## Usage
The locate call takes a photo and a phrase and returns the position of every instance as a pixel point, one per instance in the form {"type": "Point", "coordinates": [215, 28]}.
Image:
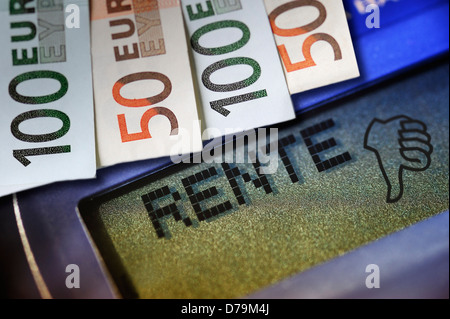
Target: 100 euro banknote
{"type": "Point", "coordinates": [240, 80]}
{"type": "Point", "coordinates": [47, 121]}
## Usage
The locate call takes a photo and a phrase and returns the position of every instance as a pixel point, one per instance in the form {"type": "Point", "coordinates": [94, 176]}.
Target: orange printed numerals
{"type": "Point", "coordinates": [146, 117]}
{"type": "Point", "coordinates": [306, 49]}
{"type": "Point", "coordinates": [147, 101]}
{"type": "Point", "coordinates": [309, 41]}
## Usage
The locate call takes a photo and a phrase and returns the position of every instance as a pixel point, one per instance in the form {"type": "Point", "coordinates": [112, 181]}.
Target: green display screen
{"type": "Point", "coordinates": [345, 176]}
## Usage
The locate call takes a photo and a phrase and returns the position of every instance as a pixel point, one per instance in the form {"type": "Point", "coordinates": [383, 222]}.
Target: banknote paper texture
{"type": "Point", "coordinates": [239, 76]}
{"type": "Point", "coordinates": [313, 41]}
{"type": "Point", "coordinates": [144, 96]}
{"type": "Point", "coordinates": [47, 121]}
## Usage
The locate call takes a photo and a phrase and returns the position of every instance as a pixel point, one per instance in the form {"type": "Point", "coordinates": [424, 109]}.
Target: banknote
{"type": "Point", "coordinates": [144, 96]}
{"type": "Point", "coordinates": [47, 122]}
{"type": "Point", "coordinates": [238, 71]}
{"type": "Point", "coordinates": [314, 42]}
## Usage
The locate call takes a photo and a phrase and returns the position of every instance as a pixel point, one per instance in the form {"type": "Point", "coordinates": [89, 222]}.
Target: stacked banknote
{"type": "Point", "coordinates": [166, 75]}
{"type": "Point", "coordinates": [144, 95]}
{"type": "Point", "coordinates": [313, 41]}
{"type": "Point", "coordinates": [47, 121]}
{"type": "Point", "coordinates": [240, 79]}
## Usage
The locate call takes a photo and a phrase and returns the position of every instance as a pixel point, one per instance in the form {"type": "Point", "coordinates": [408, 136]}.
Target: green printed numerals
{"type": "Point", "coordinates": [20, 155]}
{"type": "Point", "coordinates": [33, 138]}
{"type": "Point", "coordinates": [38, 75]}
{"type": "Point", "coordinates": [217, 26]}
{"type": "Point", "coordinates": [232, 86]}
{"type": "Point", "coordinates": [219, 105]}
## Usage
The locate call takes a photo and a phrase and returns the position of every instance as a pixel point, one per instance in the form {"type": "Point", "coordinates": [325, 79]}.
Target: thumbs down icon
{"type": "Point", "coordinates": [399, 143]}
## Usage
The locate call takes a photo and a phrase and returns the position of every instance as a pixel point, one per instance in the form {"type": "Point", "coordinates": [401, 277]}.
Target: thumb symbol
{"type": "Point", "coordinates": [399, 143]}
{"type": "Point", "coordinates": [393, 175]}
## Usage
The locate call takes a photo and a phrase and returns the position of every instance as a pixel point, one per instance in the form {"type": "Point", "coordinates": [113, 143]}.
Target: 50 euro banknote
{"type": "Point", "coordinates": [314, 42]}
{"type": "Point", "coordinates": [47, 121]}
{"type": "Point", "coordinates": [144, 96]}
